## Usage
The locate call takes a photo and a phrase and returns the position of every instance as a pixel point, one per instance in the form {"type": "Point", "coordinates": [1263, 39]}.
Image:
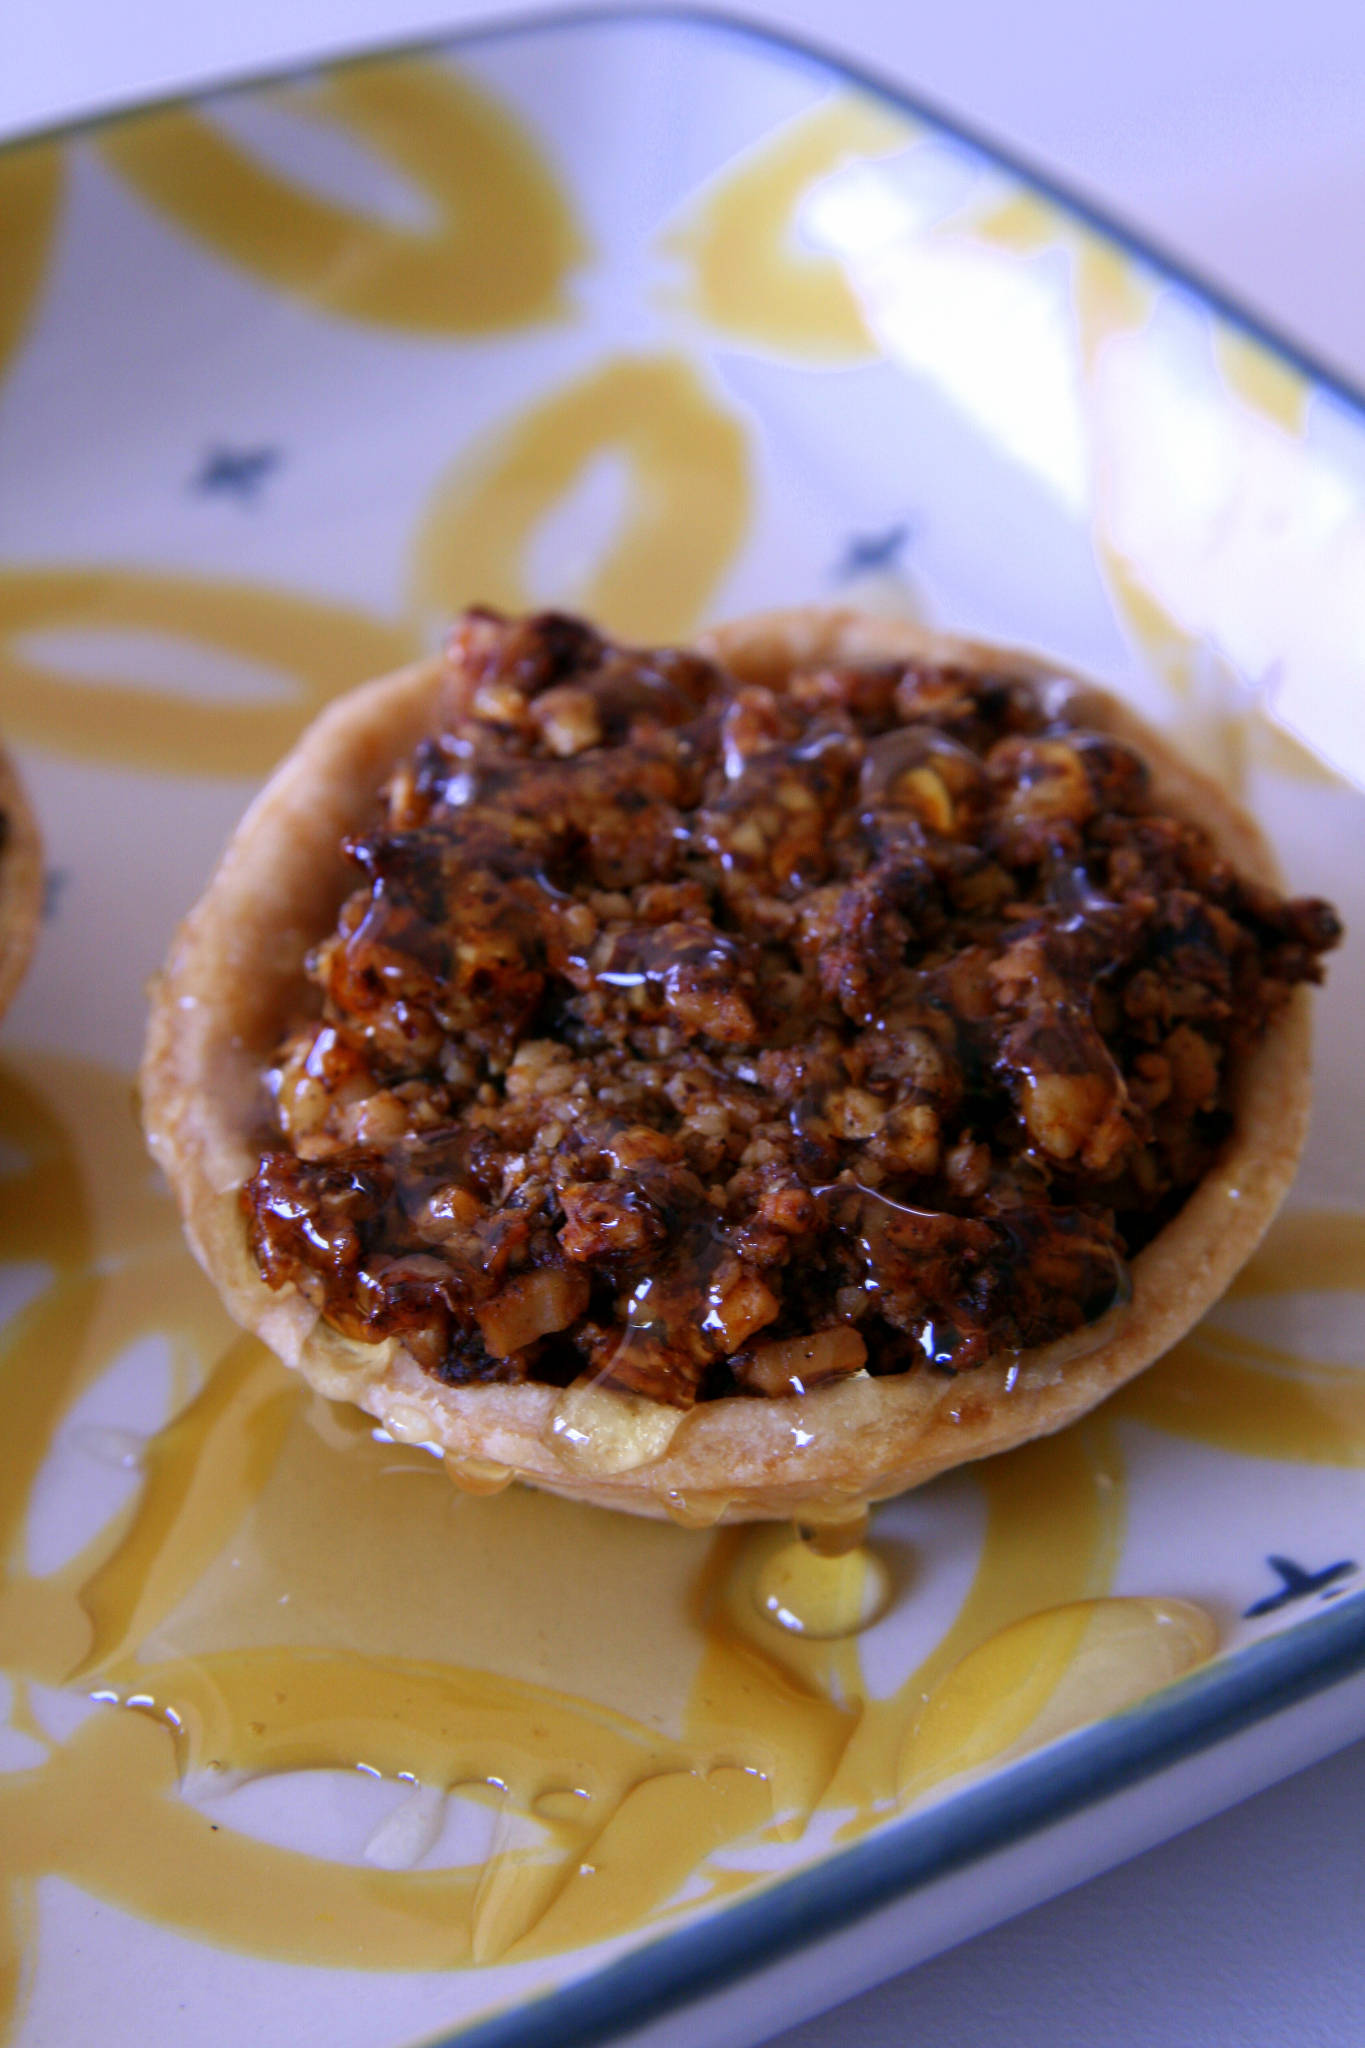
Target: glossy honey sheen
{"type": "Point", "coordinates": [288, 1589]}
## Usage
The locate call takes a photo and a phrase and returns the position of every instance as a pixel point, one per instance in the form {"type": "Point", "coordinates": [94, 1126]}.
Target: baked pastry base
{"type": "Point", "coordinates": [235, 972]}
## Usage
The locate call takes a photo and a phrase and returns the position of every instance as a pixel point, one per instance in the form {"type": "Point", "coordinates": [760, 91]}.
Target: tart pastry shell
{"type": "Point", "coordinates": [235, 975]}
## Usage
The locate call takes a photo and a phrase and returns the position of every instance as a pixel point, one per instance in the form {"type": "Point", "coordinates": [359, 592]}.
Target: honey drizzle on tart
{"type": "Point", "coordinates": [671, 1715]}
{"type": "Point", "coordinates": [623, 1739]}
{"type": "Point", "coordinates": [705, 1038]}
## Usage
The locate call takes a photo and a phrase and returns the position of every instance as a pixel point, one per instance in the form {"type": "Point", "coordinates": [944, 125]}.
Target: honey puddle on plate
{"type": "Point", "coordinates": [635, 1706]}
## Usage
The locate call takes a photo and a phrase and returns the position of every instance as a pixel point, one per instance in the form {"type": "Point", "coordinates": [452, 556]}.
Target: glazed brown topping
{"type": "Point", "coordinates": [713, 1040]}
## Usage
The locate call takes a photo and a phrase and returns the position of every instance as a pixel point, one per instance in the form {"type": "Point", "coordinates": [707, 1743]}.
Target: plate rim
{"type": "Point", "coordinates": [809, 52]}
{"type": "Point", "coordinates": [1079, 1771]}
{"type": "Point", "coordinates": [1239, 1691]}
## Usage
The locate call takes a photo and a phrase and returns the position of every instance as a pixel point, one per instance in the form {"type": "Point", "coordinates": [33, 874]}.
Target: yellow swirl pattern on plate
{"type": "Point", "coordinates": [175, 1606]}
{"type": "Point", "coordinates": [309, 650]}
{"type": "Point", "coordinates": [503, 240]}
{"type": "Point", "coordinates": [683, 518]}
{"type": "Point", "coordinates": [1113, 299]}
{"type": "Point", "coordinates": [156, 1610]}
{"type": "Point", "coordinates": [745, 270]}
{"type": "Point", "coordinates": [31, 182]}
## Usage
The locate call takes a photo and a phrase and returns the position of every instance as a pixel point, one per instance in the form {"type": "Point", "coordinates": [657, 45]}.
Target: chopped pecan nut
{"type": "Point", "coordinates": [677, 1025]}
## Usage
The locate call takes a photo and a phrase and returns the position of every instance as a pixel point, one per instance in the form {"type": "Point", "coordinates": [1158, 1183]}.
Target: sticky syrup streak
{"type": "Point", "coordinates": [290, 1590]}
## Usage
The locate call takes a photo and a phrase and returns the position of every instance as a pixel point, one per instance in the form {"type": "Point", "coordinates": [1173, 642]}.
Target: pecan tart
{"type": "Point", "coordinates": [732, 1081]}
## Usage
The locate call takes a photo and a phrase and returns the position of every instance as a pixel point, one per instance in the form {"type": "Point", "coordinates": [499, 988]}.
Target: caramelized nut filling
{"type": "Point", "coordinates": [712, 1040]}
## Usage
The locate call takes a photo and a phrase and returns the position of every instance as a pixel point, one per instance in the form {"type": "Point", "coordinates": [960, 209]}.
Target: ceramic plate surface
{"type": "Point", "coordinates": [666, 321]}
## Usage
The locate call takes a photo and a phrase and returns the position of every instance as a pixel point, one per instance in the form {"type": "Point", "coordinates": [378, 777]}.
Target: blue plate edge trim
{"type": "Point", "coordinates": [664, 1975]}
{"type": "Point", "coordinates": [628, 13]}
{"type": "Point", "coordinates": [1250, 1686]}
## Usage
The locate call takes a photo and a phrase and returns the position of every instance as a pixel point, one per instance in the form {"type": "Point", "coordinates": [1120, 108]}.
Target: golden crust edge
{"type": "Point", "coordinates": [277, 887]}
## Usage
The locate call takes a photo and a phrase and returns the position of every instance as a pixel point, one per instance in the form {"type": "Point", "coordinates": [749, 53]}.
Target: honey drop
{"type": "Point", "coordinates": [477, 1475]}
{"type": "Point", "coordinates": [809, 1590]}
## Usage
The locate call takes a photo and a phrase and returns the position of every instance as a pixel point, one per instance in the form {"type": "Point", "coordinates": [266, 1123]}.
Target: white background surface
{"type": "Point", "coordinates": [1233, 132]}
